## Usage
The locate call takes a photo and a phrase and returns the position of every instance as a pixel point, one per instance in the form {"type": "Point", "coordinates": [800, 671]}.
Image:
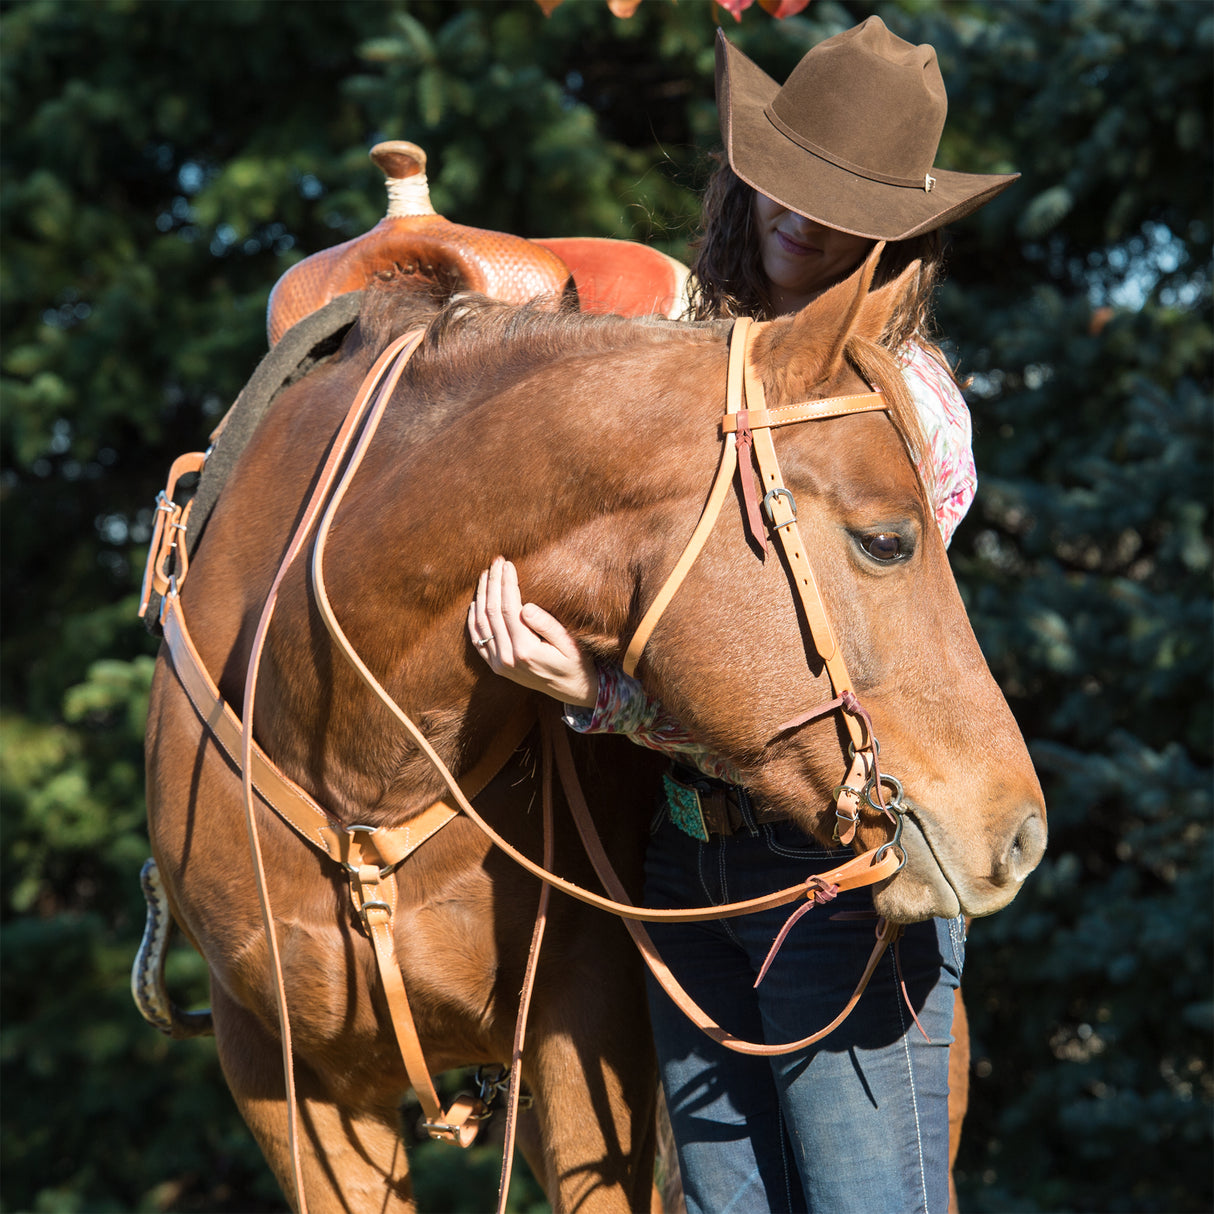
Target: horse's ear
{"type": "Point", "coordinates": [814, 340]}
{"type": "Point", "coordinates": [878, 306]}
{"type": "Point", "coordinates": [820, 330]}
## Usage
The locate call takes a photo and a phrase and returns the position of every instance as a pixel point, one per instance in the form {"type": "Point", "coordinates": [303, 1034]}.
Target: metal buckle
{"type": "Point", "coordinates": [685, 809]}
{"type": "Point", "coordinates": [353, 868]}
{"type": "Point", "coordinates": [840, 789]}
{"type": "Point", "coordinates": [769, 507]}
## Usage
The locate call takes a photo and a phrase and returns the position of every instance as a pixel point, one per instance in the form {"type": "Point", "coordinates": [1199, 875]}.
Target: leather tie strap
{"type": "Point", "coordinates": [746, 446]}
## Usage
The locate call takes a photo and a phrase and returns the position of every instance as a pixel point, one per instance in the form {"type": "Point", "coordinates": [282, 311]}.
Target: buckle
{"type": "Point", "coordinates": [769, 508]}
{"type": "Point", "coordinates": [685, 808]}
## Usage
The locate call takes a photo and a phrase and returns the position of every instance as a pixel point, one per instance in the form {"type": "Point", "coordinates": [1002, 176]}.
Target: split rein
{"type": "Point", "coordinates": [371, 856]}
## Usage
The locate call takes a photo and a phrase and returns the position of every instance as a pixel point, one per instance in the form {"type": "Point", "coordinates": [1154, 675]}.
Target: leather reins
{"type": "Point", "coordinates": [371, 856]}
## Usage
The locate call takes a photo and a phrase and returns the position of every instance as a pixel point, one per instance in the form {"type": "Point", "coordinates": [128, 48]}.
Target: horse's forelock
{"type": "Point", "coordinates": [879, 367]}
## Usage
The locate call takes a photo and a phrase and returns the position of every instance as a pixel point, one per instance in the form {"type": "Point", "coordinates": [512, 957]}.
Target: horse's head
{"type": "Point", "coordinates": [733, 658]}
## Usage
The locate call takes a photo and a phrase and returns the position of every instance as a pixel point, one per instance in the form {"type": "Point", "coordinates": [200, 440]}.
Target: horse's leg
{"type": "Point", "coordinates": [530, 1144]}
{"type": "Point", "coordinates": [353, 1160]}
{"type": "Point", "coordinates": [598, 1132]}
{"type": "Point", "coordinates": [590, 1064]}
{"type": "Point", "coordinates": [958, 1089]}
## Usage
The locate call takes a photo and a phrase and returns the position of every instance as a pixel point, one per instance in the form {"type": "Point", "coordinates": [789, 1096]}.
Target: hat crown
{"type": "Point", "coordinates": [867, 100]}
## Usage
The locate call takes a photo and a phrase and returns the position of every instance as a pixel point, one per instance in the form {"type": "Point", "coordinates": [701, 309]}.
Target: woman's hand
{"type": "Point", "coordinates": [524, 643]}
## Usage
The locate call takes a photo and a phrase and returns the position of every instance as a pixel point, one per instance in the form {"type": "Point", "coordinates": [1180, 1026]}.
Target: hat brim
{"type": "Point", "coordinates": [763, 157]}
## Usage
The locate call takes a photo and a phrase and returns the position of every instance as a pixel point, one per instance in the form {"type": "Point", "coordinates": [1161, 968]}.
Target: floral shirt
{"type": "Point", "coordinates": [623, 705]}
{"type": "Point", "coordinates": [952, 478]}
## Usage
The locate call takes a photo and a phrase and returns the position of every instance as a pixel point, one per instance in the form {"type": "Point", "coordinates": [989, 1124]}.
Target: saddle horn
{"type": "Point", "coordinates": [413, 241]}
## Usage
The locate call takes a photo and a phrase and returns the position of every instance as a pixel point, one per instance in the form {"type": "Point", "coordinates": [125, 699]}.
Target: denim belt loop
{"type": "Point", "coordinates": [747, 809]}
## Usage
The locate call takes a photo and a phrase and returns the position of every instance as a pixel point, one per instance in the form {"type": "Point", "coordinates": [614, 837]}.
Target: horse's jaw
{"type": "Point", "coordinates": [933, 884]}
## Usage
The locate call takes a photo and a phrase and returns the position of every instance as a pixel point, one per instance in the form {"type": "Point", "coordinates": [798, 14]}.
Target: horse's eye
{"type": "Point", "coordinates": [884, 546]}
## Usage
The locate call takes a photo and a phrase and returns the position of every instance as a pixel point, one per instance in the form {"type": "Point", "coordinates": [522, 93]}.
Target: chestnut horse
{"type": "Point", "coordinates": [583, 446]}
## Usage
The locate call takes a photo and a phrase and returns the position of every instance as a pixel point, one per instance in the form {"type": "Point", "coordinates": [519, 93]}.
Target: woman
{"type": "Point", "coordinates": [817, 170]}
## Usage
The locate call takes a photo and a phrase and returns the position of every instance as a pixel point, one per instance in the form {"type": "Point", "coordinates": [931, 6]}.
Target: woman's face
{"type": "Point", "coordinates": [802, 258]}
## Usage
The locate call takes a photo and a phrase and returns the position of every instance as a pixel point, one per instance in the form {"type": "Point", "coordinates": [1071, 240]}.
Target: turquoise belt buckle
{"type": "Point", "coordinates": [685, 811]}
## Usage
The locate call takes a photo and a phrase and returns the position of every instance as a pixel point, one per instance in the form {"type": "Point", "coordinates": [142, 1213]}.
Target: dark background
{"type": "Point", "coordinates": [163, 164]}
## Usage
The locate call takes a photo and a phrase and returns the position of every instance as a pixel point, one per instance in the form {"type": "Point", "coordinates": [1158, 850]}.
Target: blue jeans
{"type": "Point", "coordinates": [857, 1124]}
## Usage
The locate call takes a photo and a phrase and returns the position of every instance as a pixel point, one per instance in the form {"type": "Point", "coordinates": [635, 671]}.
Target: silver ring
{"type": "Point", "coordinates": [482, 642]}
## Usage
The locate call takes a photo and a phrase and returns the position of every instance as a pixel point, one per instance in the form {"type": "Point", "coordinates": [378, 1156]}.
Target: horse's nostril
{"type": "Point", "coordinates": [1024, 851]}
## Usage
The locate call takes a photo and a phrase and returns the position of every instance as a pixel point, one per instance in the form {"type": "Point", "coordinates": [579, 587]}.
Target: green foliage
{"type": "Point", "coordinates": [1086, 565]}
{"type": "Point", "coordinates": [165, 162]}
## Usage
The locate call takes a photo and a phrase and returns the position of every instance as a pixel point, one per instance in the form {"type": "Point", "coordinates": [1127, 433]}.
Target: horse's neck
{"type": "Point", "coordinates": [437, 498]}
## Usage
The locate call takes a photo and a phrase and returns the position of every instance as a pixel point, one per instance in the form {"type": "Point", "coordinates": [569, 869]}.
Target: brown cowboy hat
{"type": "Point", "coordinates": [850, 137]}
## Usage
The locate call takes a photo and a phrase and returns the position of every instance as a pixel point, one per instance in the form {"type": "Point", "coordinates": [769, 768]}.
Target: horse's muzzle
{"type": "Point", "coordinates": [1022, 854]}
{"type": "Point", "coordinates": [945, 877]}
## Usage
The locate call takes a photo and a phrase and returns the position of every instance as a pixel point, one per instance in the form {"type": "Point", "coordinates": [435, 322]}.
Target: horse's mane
{"type": "Point", "coordinates": [467, 332]}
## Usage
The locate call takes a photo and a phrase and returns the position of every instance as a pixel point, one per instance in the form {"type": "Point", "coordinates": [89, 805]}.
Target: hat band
{"type": "Point", "coordinates": [925, 183]}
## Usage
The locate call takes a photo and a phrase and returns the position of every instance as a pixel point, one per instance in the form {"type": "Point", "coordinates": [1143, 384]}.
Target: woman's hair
{"type": "Point", "coordinates": [728, 278]}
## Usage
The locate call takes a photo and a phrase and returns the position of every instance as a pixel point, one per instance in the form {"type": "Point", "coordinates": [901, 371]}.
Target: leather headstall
{"type": "Point", "coordinates": [745, 428]}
